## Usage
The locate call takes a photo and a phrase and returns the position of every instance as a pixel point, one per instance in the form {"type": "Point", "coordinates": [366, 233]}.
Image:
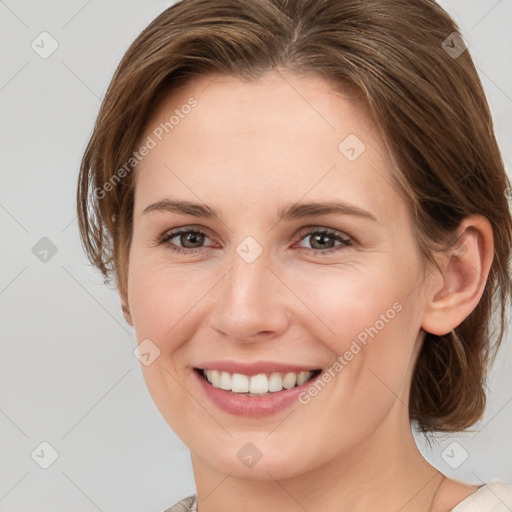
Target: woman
{"type": "Point", "coordinates": [304, 209]}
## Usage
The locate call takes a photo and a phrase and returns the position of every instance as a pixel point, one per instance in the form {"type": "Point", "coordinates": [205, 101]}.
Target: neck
{"type": "Point", "coordinates": [384, 472]}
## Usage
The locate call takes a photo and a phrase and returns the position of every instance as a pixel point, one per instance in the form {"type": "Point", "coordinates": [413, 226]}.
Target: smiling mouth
{"type": "Point", "coordinates": [256, 385]}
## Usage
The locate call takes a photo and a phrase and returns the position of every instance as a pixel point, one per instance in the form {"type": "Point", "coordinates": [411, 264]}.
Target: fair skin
{"type": "Point", "coordinates": [246, 151]}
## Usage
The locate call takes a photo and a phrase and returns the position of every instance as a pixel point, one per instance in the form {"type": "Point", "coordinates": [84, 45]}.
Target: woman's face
{"type": "Point", "coordinates": [251, 281]}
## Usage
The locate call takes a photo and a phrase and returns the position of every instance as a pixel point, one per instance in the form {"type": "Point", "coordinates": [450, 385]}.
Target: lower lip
{"type": "Point", "coordinates": [255, 406]}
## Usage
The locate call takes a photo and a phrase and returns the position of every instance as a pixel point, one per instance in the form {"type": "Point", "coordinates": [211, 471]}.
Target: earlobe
{"type": "Point", "coordinates": [126, 313]}
{"type": "Point", "coordinates": [466, 268]}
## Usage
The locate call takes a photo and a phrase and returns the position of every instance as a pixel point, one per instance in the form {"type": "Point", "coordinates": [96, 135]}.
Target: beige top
{"type": "Point", "coordinates": [492, 497]}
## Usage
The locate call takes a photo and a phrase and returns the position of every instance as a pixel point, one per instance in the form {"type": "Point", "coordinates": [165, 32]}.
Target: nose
{"type": "Point", "coordinates": [250, 302]}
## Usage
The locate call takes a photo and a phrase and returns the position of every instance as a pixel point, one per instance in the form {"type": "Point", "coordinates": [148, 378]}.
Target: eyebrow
{"type": "Point", "coordinates": [291, 211]}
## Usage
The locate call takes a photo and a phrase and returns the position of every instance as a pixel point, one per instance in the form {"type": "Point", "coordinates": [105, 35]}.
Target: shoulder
{"type": "Point", "coordinates": [492, 497]}
{"type": "Point", "coordinates": [185, 505]}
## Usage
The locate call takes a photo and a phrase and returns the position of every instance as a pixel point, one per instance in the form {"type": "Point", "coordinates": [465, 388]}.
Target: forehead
{"type": "Point", "coordinates": [264, 142]}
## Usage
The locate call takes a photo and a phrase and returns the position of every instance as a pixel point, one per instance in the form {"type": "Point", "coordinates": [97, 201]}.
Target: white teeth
{"type": "Point", "coordinates": [225, 381]}
{"type": "Point", "coordinates": [239, 383]}
{"type": "Point", "coordinates": [302, 377]}
{"type": "Point", "coordinates": [289, 381]}
{"type": "Point", "coordinates": [275, 383]}
{"type": "Point", "coordinates": [215, 377]}
{"type": "Point", "coordinates": [256, 384]}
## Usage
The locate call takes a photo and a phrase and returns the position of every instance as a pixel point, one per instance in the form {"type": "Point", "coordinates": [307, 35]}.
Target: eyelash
{"type": "Point", "coordinates": [345, 241]}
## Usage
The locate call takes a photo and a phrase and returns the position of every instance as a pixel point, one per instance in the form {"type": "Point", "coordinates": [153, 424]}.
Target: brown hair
{"type": "Point", "coordinates": [428, 103]}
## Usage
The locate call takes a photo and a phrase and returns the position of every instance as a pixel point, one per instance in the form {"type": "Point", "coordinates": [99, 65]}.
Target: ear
{"type": "Point", "coordinates": [126, 312]}
{"type": "Point", "coordinates": [124, 304]}
{"type": "Point", "coordinates": [454, 295]}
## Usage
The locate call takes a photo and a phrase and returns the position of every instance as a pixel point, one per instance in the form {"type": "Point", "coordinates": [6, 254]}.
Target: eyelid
{"type": "Point", "coordinates": [342, 236]}
{"type": "Point", "coordinates": [310, 230]}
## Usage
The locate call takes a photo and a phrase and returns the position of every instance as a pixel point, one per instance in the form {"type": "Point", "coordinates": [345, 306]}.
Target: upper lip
{"type": "Point", "coordinates": [254, 368]}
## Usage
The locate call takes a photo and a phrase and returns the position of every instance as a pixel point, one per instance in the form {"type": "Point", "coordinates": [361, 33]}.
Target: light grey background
{"type": "Point", "coordinates": [67, 373]}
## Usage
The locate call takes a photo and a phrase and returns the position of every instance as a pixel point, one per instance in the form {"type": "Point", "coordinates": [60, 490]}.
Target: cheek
{"type": "Point", "coordinates": [367, 320]}
{"type": "Point", "coordinates": [346, 304]}
{"type": "Point", "coordinates": [161, 296]}
{"type": "Point", "coordinates": [162, 307]}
